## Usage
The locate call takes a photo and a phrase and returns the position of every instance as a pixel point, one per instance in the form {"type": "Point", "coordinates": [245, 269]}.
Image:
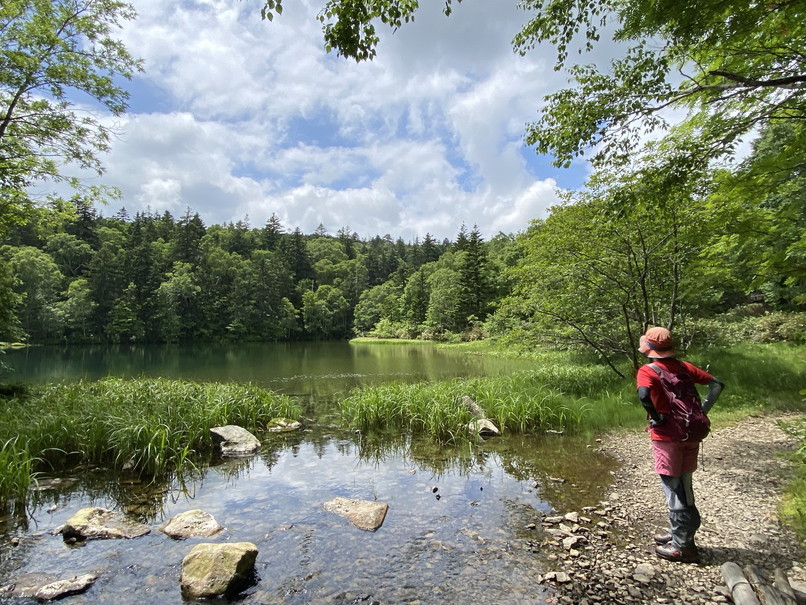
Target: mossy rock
{"type": "Point", "coordinates": [282, 425]}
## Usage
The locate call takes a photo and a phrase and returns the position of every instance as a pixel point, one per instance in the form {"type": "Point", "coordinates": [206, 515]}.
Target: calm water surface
{"type": "Point", "coordinates": [457, 528]}
{"type": "Point", "coordinates": [321, 368]}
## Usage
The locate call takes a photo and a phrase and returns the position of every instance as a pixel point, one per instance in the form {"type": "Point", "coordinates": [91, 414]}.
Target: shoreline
{"type": "Point", "coordinates": [608, 555]}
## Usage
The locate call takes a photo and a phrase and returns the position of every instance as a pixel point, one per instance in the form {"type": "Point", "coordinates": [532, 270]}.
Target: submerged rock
{"type": "Point", "coordinates": [191, 523]}
{"type": "Point", "coordinates": [282, 425]}
{"type": "Point", "coordinates": [234, 440]}
{"type": "Point", "coordinates": [210, 570]}
{"type": "Point", "coordinates": [47, 587]}
{"type": "Point", "coordinates": [365, 515]}
{"type": "Point", "coordinates": [101, 523]}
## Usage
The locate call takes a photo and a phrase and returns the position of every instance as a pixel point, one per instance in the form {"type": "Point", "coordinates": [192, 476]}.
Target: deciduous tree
{"type": "Point", "coordinates": [48, 50]}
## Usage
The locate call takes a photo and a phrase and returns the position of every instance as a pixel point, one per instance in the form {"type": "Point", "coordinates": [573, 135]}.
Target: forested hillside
{"type": "Point", "coordinates": [633, 249]}
{"type": "Point", "coordinates": [72, 275]}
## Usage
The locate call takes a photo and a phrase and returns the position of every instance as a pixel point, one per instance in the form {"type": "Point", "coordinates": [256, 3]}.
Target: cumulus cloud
{"type": "Point", "coordinates": [235, 116]}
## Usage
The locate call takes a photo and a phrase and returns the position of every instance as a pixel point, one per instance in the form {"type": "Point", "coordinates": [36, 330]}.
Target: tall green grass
{"type": "Point", "coordinates": [552, 397]}
{"type": "Point", "coordinates": [793, 503]}
{"type": "Point", "coordinates": [574, 394]}
{"type": "Point", "coordinates": [148, 426]}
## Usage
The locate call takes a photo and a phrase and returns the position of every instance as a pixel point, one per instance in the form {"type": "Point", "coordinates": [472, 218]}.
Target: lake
{"type": "Point", "coordinates": [459, 526]}
{"type": "Point", "coordinates": [320, 369]}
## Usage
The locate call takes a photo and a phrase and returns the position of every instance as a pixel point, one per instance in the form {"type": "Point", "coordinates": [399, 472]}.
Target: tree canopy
{"type": "Point", "coordinates": [49, 51]}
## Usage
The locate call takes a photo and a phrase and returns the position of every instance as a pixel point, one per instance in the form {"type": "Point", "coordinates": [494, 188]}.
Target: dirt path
{"type": "Point", "coordinates": [737, 486]}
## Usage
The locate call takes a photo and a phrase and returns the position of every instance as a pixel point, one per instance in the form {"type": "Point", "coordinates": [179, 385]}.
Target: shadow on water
{"type": "Point", "coordinates": [457, 530]}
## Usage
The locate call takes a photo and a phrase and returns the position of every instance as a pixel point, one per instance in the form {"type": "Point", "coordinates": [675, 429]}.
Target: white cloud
{"type": "Point", "coordinates": [254, 118]}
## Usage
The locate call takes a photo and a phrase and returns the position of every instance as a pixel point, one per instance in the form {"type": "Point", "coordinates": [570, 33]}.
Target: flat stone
{"type": "Point", "coordinates": [282, 425]}
{"type": "Point", "coordinates": [364, 514]}
{"type": "Point", "coordinates": [235, 440]}
{"type": "Point", "coordinates": [100, 523]}
{"type": "Point", "coordinates": [47, 587]}
{"type": "Point", "coordinates": [191, 523]}
{"type": "Point", "coordinates": [645, 569]}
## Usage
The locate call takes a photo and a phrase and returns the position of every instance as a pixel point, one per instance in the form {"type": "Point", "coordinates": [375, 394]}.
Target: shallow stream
{"type": "Point", "coordinates": [457, 530]}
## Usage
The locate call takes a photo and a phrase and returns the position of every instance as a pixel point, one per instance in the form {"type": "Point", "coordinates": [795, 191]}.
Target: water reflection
{"type": "Point", "coordinates": [319, 369]}
{"type": "Point", "coordinates": [455, 529]}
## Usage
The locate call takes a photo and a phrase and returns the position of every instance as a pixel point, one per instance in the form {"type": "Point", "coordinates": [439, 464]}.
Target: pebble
{"type": "Point", "coordinates": [620, 565]}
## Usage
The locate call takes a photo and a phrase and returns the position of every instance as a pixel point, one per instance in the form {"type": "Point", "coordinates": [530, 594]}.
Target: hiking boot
{"type": "Point", "coordinates": [670, 552]}
{"type": "Point", "coordinates": [661, 538]}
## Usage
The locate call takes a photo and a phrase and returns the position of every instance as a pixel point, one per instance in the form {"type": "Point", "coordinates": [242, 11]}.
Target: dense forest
{"type": "Point", "coordinates": [80, 277]}
{"type": "Point", "coordinates": [623, 254]}
{"type": "Point", "coordinates": [688, 230]}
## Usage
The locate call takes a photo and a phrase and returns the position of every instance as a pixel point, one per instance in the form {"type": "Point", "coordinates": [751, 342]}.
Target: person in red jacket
{"type": "Point", "coordinates": [674, 449]}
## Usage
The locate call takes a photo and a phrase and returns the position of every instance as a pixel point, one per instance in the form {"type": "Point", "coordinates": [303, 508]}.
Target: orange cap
{"type": "Point", "coordinates": [658, 343]}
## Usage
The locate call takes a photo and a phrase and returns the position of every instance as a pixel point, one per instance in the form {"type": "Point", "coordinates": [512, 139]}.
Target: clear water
{"type": "Point", "coordinates": [457, 527]}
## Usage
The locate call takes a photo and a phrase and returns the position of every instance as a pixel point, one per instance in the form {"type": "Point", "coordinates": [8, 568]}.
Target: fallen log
{"type": "Point", "coordinates": [767, 594]}
{"type": "Point", "coordinates": [781, 582]}
{"type": "Point", "coordinates": [741, 591]}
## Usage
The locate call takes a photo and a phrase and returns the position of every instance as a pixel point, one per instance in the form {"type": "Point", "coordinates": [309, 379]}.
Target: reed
{"type": "Point", "coordinates": [148, 426]}
{"type": "Point", "coordinates": [15, 468]}
{"type": "Point", "coordinates": [550, 398]}
{"type": "Point", "coordinates": [570, 393]}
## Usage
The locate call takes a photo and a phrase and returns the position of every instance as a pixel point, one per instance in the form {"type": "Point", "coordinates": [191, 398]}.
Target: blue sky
{"type": "Point", "coordinates": [236, 117]}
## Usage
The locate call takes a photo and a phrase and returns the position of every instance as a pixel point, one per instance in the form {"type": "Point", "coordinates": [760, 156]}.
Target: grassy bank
{"type": "Point", "coordinates": [573, 393]}
{"type": "Point", "coordinates": [146, 425]}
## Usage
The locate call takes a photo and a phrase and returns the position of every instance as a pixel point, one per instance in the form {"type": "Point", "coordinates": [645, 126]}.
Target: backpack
{"type": "Point", "coordinates": [686, 421]}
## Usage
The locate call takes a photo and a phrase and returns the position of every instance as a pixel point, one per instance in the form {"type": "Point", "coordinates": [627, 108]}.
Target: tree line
{"type": "Point", "coordinates": [71, 275]}
{"type": "Point", "coordinates": [633, 249]}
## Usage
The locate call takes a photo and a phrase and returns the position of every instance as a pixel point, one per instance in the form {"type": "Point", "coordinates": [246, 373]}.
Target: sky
{"type": "Point", "coordinates": [237, 118]}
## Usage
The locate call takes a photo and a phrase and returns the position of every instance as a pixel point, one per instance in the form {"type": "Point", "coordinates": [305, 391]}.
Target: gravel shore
{"type": "Point", "coordinates": [605, 554]}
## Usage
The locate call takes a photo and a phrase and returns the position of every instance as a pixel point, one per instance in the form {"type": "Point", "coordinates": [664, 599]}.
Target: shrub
{"type": "Point", "coordinates": [744, 324]}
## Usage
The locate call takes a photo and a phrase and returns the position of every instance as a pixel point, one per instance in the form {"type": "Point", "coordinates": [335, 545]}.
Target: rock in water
{"type": "Point", "coordinates": [101, 523]}
{"type": "Point", "coordinates": [46, 587]}
{"type": "Point", "coordinates": [483, 428]}
{"type": "Point", "coordinates": [191, 523]}
{"type": "Point", "coordinates": [235, 440]}
{"type": "Point", "coordinates": [282, 425]}
{"type": "Point", "coordinates": [211, 570]}
{"type": "Point", "coordinates": [363, 514]}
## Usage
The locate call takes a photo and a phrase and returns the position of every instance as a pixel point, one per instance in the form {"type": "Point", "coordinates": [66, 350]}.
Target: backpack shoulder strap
{"type": "Point", "coordinates": [655, 367]}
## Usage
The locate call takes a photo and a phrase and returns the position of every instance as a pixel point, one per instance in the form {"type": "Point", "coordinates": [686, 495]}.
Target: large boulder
{"type": "Point", "coordinates": [235, 440]}
{"type": "Point", "coordinates": [101, 523]}
{"type": "Point", "coordinates": [363, 514]}
{"type": "Point", "coordinates": [47, 587]}
{"type": "Point", "coordinates": [191, 523]}
{"type": "Point", "coordinates": [211, 570]}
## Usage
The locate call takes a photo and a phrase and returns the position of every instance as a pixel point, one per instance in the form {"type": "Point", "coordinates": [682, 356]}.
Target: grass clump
{"type": "Point", "coordinates": [573, 393]}
{"type": "Point", "coordinates": [552, 397]}
{"type": "Point", "coordinates": [148, 426]}
{"type": "Point", "coordinates": [793, 503]}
